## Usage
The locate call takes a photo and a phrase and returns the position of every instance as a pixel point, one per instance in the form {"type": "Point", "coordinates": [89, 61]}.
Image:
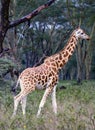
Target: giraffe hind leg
{"type": "Point", "coordinates": [22, 96]}
{"type": "Point", "coordinates": [17, 99]}
{"type": "Point", "coordinates": [16, 102]}
{"type": "Point", "coordinates": [23, 104]}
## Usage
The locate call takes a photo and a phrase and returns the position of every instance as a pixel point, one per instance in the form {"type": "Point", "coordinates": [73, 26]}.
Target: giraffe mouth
{"type": "Point", "coordinates": [88, 38]}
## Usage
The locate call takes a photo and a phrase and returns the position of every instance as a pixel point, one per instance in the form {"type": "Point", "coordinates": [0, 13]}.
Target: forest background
{"type": "Point", "coordinates": [27, 44]}
{"type": "Point", "coordinates": [29, 32]}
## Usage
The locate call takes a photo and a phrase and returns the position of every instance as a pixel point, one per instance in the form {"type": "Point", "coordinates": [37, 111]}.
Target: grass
{"type": "Point", "coordinates": [76, 109]}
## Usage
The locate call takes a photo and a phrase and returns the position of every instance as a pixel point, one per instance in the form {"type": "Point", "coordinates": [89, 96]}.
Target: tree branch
{"type": "Point", "coordinates": [31, 15]}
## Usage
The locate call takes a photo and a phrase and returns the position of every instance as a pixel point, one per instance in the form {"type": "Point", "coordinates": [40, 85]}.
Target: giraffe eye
{"type": "Point", "coordinates": [82, 33]}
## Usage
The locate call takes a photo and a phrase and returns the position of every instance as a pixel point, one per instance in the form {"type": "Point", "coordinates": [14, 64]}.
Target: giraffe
{"type": "Point", "coordinates": [45, 76]}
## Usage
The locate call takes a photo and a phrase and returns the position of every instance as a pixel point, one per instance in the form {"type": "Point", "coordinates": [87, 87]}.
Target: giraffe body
{"type": "Point", "coordinates": [37, 77]}
{"type": "Point", "coordinates": [45, 76]}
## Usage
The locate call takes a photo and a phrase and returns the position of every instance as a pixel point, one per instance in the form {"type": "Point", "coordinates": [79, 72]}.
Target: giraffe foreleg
{"type": "Point", "coordinates": [47, 92]}
{"type": "Point", "coordinates": [54, 104]}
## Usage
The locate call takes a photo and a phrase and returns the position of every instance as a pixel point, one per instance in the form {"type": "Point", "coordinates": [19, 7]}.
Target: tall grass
{"type": "Point", "coordinates": [76, 109]}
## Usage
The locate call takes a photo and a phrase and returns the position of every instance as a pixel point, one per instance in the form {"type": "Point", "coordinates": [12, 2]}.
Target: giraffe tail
{"type": "Point", "coordinates": [13, 89]}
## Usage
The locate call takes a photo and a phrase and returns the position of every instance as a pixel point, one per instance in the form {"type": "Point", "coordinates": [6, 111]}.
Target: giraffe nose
{"type": "Point", "coordinates": [88, 38]}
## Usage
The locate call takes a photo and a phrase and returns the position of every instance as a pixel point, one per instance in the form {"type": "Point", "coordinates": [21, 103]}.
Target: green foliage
{"type": "Point", "coordinates": [76, 109]}
{"type": "Point", "coordinates": [5, 65]}
{"type": "Point", "coordinates": [45, 34]}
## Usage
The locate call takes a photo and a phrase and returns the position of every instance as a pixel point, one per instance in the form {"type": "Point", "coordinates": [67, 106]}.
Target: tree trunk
{"type": "Point", "coordinates": [80, 54]}
{"type": "Point", "coordinates": [89, 55]}
{"type": "Point", "coordinates": [4, 21]}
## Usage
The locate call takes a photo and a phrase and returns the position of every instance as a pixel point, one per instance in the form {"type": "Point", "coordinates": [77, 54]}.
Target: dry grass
{"type": "Point", "coordinates": [76, 109]}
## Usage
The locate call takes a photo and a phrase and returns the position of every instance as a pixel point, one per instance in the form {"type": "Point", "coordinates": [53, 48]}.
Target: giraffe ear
{"type": "Point", "coordinates": [78, 27]}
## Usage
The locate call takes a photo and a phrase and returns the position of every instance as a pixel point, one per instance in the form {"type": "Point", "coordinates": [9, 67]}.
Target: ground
{"type": "Point", "coordinates": [76, 109]}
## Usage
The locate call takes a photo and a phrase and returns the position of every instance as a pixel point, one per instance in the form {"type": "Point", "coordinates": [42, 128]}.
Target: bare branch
{"type": "Point", "coordinates": [4, 52]}
{"type": "Point", "coordinates": [31, 15]}
{"type": "Point", "coordinates": [40, 60]}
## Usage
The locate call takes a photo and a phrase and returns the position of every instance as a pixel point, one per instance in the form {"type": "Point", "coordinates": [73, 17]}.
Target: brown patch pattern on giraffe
{"type": "Point", "coordinates": [45, 75]}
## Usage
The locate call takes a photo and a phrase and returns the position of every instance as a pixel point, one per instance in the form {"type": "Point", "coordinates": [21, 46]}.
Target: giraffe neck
{"type": "Point", "coordinates": [65, 54]}
{"type": "Point", "coordinates": [60, 59]}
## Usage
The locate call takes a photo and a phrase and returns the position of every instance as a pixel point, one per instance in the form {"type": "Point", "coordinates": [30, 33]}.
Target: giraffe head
{"type": "Point", "coordinates": [80, 34]}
